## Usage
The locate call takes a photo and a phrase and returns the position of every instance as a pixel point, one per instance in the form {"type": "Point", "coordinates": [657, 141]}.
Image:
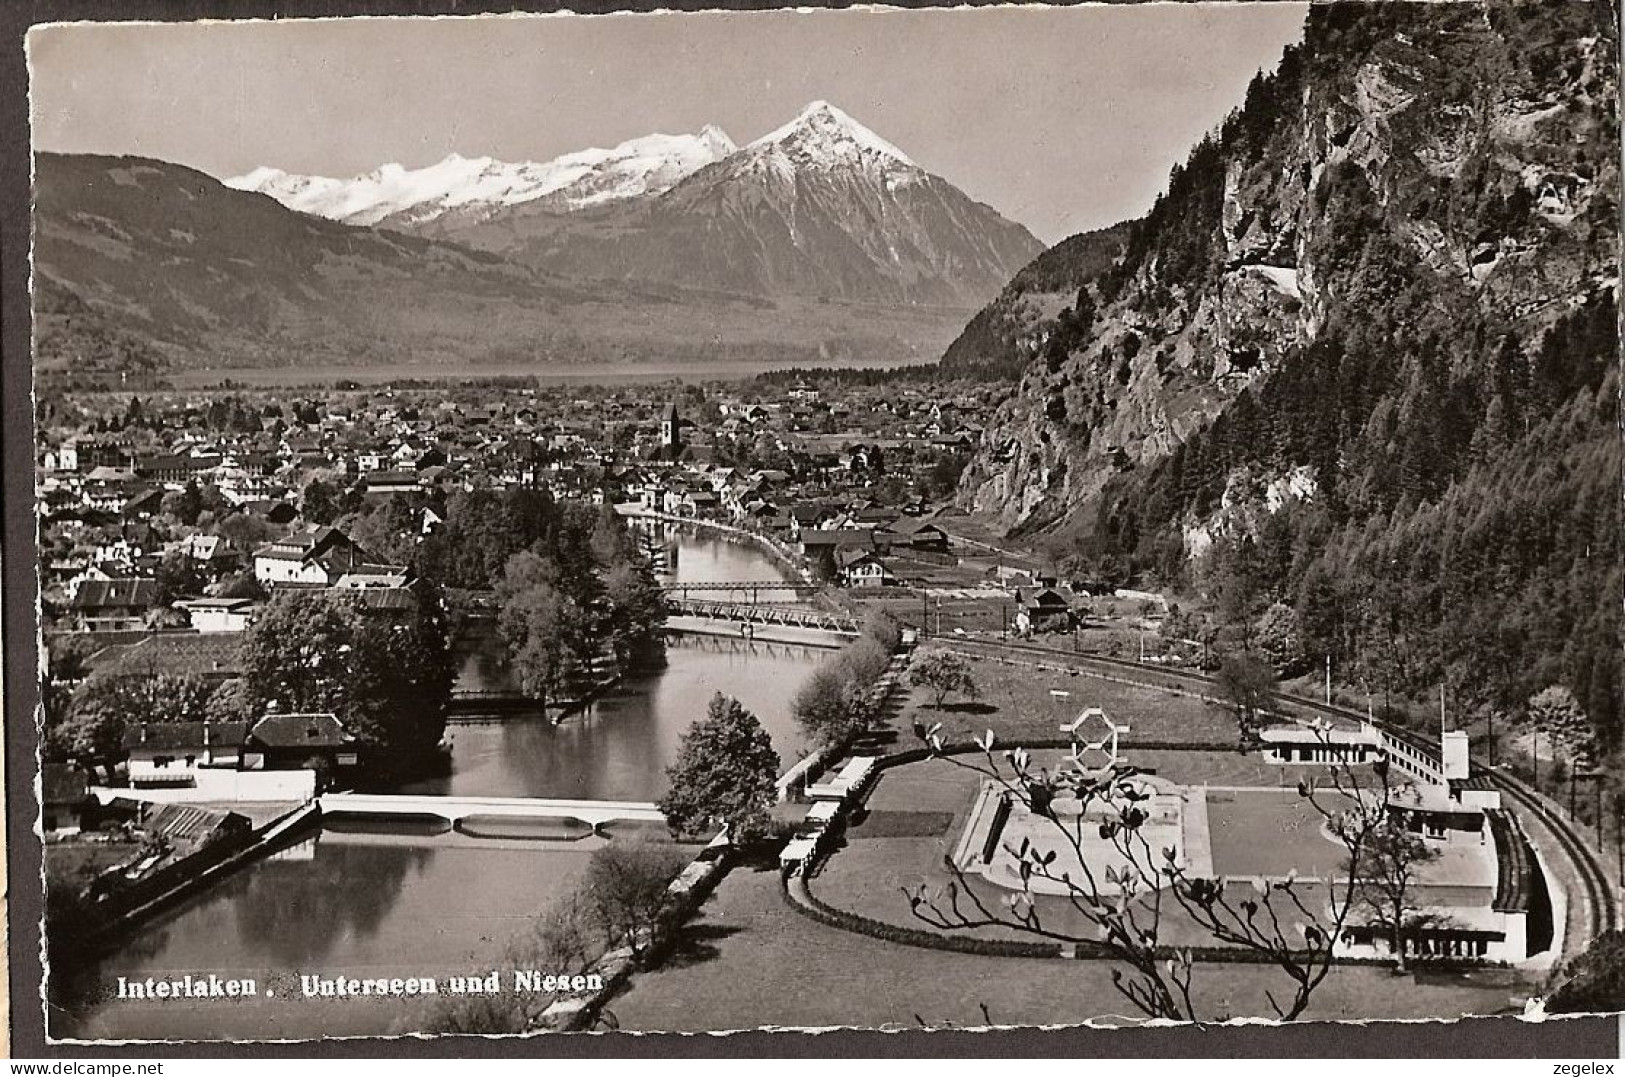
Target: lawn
{"type": "Point", "coordinates": [1016, 702]}
{"type": "Point", "coordinates": [750, 961]}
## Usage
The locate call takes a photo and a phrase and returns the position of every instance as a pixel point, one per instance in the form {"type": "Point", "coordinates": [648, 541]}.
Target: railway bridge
{"type": "Point", "coordinates": [766, 614]}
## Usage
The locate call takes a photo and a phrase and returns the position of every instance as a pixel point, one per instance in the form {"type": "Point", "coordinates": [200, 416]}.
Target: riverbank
{"type": "Point", "coordinates": [187, 877]}
{"type": "Point", "coordinates": [781, 554]}
{"type": "Point", "coordinates": [413, 913]}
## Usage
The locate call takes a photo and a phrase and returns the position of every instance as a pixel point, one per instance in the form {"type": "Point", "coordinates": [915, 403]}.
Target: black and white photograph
{"type": "Point", "coordinates": [894, 519]}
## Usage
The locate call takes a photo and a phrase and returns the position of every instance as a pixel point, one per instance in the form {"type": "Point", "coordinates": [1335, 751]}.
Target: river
{"type": "Point", "coordinates": [393, 900]}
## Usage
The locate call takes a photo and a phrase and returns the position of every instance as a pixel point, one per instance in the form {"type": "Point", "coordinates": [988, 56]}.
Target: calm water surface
{"type": "Point", "coordinates": [397, 900]}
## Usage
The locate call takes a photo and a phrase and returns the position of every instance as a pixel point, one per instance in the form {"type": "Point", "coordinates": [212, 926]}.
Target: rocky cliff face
{"type": "Point", "coordinates": [1415, 186]}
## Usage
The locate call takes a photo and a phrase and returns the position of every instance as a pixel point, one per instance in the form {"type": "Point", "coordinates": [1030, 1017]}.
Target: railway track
{"type": "Point", "coordinates": [1602, 905]}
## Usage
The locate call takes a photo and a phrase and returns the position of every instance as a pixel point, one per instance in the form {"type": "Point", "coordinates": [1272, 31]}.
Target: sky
{"type": "Point", "coordinates": [1064, 119]}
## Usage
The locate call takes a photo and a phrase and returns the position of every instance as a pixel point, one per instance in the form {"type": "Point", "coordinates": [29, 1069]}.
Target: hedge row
{"type": "Point", "coordinates": [814, 909]}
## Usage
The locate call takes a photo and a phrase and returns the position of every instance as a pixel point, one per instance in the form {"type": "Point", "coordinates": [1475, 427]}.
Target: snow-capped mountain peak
{"type": "Point", "coordinates": [824, 135]}
{"type": "Point", "coordinates": [476, 186]}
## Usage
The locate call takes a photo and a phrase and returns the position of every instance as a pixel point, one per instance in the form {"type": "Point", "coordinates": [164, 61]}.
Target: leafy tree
{"type": "Point", "coordinates": [725, 773]}
{"type": "Point", "coordinates": [386, 677]}
{"type": "Point", "coordinates": [244, 530]}
{"type": "Point", "coordinates": [1249, 685]}
{"type": "Point", "coordinates": [183, 505]}
{"type": "Point", "coordinates": [636, 612]}
{"type": "Point", "coordinates": [830, 707]}
{"type": "Point", "coordinates": [884, 628]}
{"type": "Point", "coordinates": [546, 632]}
{"type": "Point", "coordinates": [178, 576]}
{"type": "Point", "coordinates": [1280, 639]}
{"type": "Point", "coordinates": [1386, 869]}
{"type": "Point", "coordinates": [90, 725]}
{"type": "Point", "coordinates": [241, 585]}
{"type": "Point", "coordinates": [229, 702]}
{"type": "Point", "coordinates": [1593, 982]}
{"type": "Point", "coordinates": [388, 531]}
{"type": "Point", "coordinates": [1555, 712]}
{"type": "Point", "coordinates": [91, 728]}
{"type": "Point", "coordinates": [320, 503]}
{"type": "Point", "coordinates": [942, 673]}
{"type": "Point", "coordinates": [626, 888]}
{"type": "Point", "coordinates": [69, 657]}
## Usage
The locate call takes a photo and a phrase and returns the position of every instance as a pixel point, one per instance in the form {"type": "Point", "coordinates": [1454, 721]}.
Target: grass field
{"type": "Point", "coordinates": [1015, 701]}
{"type": "Point", "coordinates": [750, 961]}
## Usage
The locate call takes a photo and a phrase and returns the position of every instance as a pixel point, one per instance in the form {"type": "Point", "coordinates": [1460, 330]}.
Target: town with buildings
{"type": "Point", "coordinates": [172, 521]}
{"type": "Point", "coordinates": [695, 586]}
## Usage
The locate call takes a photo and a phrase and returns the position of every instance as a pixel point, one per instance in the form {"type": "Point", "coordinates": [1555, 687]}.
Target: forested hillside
{"type": "Point", "coordinates": [1359, 363]}
{"type": "Point", "coordinates": [1028, 312]}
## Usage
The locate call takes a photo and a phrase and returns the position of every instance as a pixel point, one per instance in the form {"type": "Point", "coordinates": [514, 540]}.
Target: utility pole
{"type": "Point", "coordinates": [1328, 680]}
{"type": "Point", "coordinates": [1573, 781]}
{"type": "Point", "coordinates": [1596, 787]}
{"type": "Point", "coordinates": [1536, 745]}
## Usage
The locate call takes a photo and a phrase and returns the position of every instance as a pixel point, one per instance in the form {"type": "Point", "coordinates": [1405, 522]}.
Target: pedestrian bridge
{"type": "Point", "coordinates": [452, 809]}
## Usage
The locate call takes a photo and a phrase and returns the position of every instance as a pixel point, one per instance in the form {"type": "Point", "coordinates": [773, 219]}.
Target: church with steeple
{"type": "Point", "coordinates": [671, 434]}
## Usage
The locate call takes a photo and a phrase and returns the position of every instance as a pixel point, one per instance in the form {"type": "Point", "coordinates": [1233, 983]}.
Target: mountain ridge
{"type": "Point", "coordinates": [821, 206]}
{"type": "Point", "coordinates": [142, 265]}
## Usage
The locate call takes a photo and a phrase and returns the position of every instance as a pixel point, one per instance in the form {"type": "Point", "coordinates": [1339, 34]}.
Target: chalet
{"type": "Point", "coordinates": [699, 503]}
{"type": "Point", "coordinates": [811, 518]}
{"type": "Point", "coordinates": [113, 605]}
{"type": "Point", "coordinates": [1042, 609]}
{"type": "Point", "coordinates": [315, 557]}
{"type": "Point", "coordinates": [862, 568]}
{"type": "Point", "coordinates": [316, 742]}
{"type": "Point", "coordinates": [213, 555]}
{"type": "Point", "coordinates": [812, 541]}
{"type": "Point", "coordinates": [142, 505]}
{"type": "Point", "coordinates": [920, 535]}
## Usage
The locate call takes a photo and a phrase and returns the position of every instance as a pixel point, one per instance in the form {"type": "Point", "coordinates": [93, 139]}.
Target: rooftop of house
{"type": "Point", "coordinates": [174, 653]}
{"type": "Point", "coordinates": [94, 595]}
{"type": "Point", "coordinates": [184, 737]}
{"type": "Point", "coordinates": [318, 730]}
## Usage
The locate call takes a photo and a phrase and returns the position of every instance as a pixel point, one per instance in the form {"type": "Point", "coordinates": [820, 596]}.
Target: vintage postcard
{"type": "Point", "coordinates": [804, 519]}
